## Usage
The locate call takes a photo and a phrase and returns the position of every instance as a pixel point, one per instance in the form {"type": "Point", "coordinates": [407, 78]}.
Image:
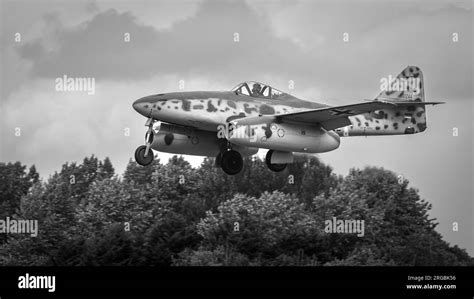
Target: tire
{"type": "Point", "coordinates": [273, 167]}
{"type": "Point", "coordinates": [231, 162]}
{"type": "Point", "coordinates": [140, 156]}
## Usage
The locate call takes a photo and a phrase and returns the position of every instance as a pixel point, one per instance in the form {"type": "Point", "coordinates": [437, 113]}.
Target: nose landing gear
{"type": "Point", "coordinates": [141, 157]}
{"type": "Point", "coordinates": [144, 154]}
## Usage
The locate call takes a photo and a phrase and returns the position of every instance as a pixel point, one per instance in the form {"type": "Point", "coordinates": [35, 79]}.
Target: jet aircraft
{"type": "Point", "coordinates": [231, 124]}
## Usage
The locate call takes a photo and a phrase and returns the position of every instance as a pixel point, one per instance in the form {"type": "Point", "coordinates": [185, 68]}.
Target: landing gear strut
{"type": "Point", "coordinates": [144, 154]}
{"type": "Point", "coordinates": [218, 160]}
{"type": "Point", "coordinates": [273, 167]}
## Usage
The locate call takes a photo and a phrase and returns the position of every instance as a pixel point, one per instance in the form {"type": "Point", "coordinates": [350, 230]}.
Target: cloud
{"type": "Point", "coordinates": [44, 26]}
{"type": "Point", "coordinates": [384, 37]}
{"type": "Point", "coordinates": [302, 43]}
{"type": "Point", "coordinates": [97, 47]}
{"type": "Point", "coordinates": [161, 15]}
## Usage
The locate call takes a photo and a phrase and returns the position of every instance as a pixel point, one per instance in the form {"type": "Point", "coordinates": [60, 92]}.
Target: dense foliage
{"type": "Point", "coordinates": [173, 214]}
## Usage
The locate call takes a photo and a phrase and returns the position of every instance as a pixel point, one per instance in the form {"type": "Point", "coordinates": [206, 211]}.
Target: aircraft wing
{"type": "Point", "coordinates": [329, 117]}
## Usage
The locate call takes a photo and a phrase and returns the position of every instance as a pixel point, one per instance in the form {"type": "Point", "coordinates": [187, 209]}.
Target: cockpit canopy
{"type": "Point", "coordinates": [258, 90]}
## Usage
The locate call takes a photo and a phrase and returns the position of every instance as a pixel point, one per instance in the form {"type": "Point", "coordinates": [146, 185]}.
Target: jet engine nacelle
{"type": "Point", "coordinates": [188, 141]}
{"type": "Point", "coordinates": [286, 137]}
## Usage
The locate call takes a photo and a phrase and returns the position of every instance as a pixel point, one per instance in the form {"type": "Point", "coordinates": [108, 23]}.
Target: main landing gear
{"type": "Point", "coordinates": [230, 161]}
{"type": "Point", "coordinates": [144, 154]}
{"type": "Point", "coordinates": [273, 167]}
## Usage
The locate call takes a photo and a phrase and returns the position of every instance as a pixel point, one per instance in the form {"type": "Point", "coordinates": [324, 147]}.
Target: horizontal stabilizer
{"type": "Point", "coordinates": [410, 103]}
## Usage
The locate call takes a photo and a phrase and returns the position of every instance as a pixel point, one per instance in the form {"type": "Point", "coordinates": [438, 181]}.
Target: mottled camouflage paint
{"type": "Point", "coordinates": [207, 110]}
{"type": "Point", "coordinates": [182, 109]}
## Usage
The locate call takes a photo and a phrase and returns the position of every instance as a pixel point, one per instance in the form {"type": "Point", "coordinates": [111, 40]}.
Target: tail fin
{"type": "Point", "coordinates": [408, 115]}
{"type": "Point", "coordinates": [407, 86]}
{"type": "Point", "coordinates": [407, 91]}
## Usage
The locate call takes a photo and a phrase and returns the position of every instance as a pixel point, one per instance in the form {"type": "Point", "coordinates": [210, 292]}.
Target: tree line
{"type": "Point", "coordinates": [171, 214]}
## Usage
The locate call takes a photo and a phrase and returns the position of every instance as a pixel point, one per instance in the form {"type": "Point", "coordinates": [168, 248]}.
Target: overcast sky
{"type": "Point", "coordinates": [279, 41]}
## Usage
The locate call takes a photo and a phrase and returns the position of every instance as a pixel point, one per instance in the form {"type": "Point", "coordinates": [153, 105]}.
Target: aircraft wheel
{"type": "Point", "coordinates": [273, 167]}
{"type": "Point", "coordinates": [231, 162]}
{"type": "Point", "coordinates": [140, 156]}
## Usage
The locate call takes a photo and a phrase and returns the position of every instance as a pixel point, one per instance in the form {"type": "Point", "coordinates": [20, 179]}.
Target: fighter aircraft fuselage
{"type": "Point", "coordinates": [229, 124]}
{"type": "Point", "coordinates": [206, 109]}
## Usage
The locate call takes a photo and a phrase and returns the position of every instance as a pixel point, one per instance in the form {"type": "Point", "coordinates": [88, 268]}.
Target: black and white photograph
{"type": "Point", "coordinates": [277, 143]}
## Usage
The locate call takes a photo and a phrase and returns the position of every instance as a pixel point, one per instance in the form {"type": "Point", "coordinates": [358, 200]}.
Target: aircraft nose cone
{"type": "Point", "coordinates": [136, 106]}
{"type": "Point", "coordinates": [143, 105]}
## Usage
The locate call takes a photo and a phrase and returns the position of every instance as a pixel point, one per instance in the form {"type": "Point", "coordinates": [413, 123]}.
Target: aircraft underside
{"type": "Point", "coordinates": [289, 142]}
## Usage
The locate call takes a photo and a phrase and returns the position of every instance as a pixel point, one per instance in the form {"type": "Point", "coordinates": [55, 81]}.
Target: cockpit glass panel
{"type": "Point", "coordinates": [276, 93]}
{"type": "Point", "coordinates": [244, 90]}
{"type": "Point", "coordinates": [266, 91]}
{"type": "Point", "coordinates": [259, 90]}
